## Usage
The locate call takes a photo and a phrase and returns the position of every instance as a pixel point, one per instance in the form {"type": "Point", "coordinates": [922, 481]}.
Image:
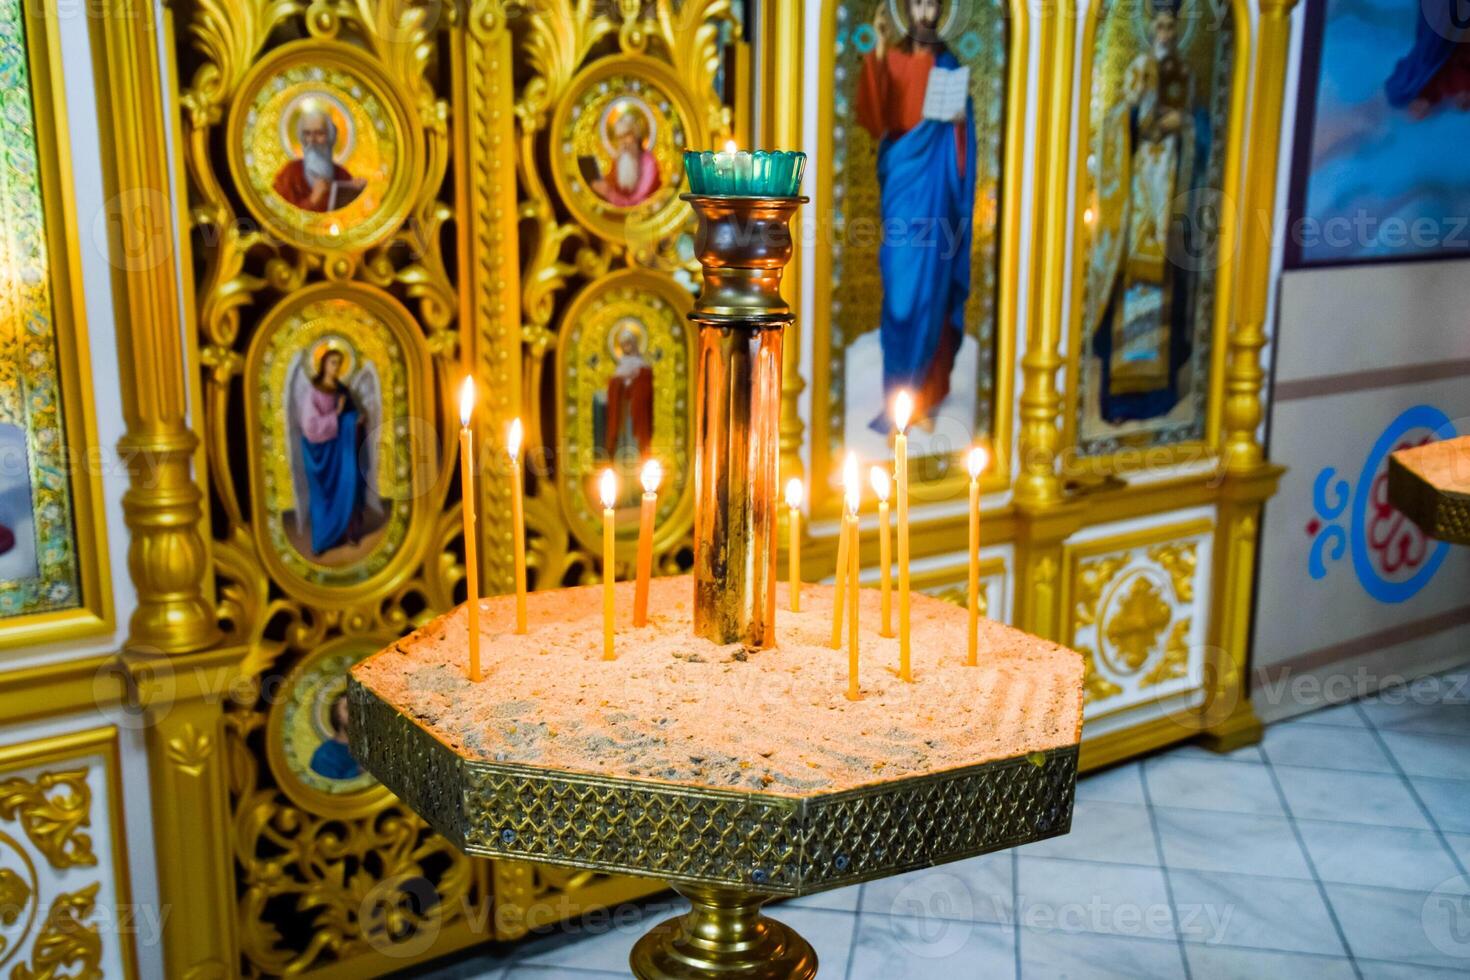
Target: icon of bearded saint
{"type": "Point", "coordinates": [633, 174]}
{"type": "Point", "coordinates": [316, 182]}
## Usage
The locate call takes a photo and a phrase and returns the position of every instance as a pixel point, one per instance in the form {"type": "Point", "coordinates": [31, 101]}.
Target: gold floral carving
{"type": "Point", "coordinates": [1175, 661]}
{"type": "Point", "coordinates": [190, 749]}
{"type": "Point", "coordinates": [15, 899]}
{"type": "Point", "coordinates": [51, 810]}
{"type": "Point", "coordinates": [1092, 578]}
{"type": "Point", "coordinates": [67, 947]}
{"type": "Point", "coordinates": [1178, 559]}
{"type": "Point", "coordinates": [1142, 614]}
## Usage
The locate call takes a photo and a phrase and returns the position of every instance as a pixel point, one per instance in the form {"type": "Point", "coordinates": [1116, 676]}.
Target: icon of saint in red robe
{"type": "Point", "coordinates": [316, 182]}
{"type": "Point", "coordinates": [633, 175]}
{"type": "Point", "coordinates": [629, 418]}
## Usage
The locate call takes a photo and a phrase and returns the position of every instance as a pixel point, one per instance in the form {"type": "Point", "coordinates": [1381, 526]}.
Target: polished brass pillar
{"type": "Point", "coordinates": [744, 244]}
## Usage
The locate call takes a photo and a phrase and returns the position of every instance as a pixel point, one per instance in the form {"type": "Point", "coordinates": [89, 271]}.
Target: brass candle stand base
{"type": "Point", "coordinates": [723, 935]}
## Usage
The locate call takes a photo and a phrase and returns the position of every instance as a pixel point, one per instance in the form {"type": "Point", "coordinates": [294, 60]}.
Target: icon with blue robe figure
{"type": "Point", "coordinates": [1436, 70]}
{"type": "Point", "coordinates": [333, 414]}
{"type": "Point", "coordinates": [913, 99]}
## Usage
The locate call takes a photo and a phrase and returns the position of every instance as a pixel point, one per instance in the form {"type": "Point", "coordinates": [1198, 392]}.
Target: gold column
{"type": "Point", "coordinates": [781, 130]}
{"type": "Point", "coordinates": [1244, 376]}
{"type": "Point", "coordinates": [1229, 720]}
{"type": "Point", "coordinates": [166, 555]}
{"type": "Point", "coordinates": [179, 689]}
{"type": "Point", "coordinates": [1043, 518]}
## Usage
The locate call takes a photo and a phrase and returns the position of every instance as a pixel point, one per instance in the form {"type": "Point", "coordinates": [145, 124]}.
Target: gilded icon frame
{"type": "Point", "coordinates": [93, 614]}
{"type": "Point", "coordinates": [826, 499]}
{"type": "Point", "coordinates": [674, 213]}
{"type": "Point", "coordinates": [418, 397]}
{"type": "Point", "coordinates": [1186, 451]}
{"type": "Point", "coordinates": [357, 803]}
{"type": "Point", "coordinates": [672, 525]}
{"type": "Point", "coordinates": [401, 119]}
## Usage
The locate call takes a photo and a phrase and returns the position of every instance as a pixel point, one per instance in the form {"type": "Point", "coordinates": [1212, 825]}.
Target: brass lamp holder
{"type": "Point", "coordinates": [743, 244]}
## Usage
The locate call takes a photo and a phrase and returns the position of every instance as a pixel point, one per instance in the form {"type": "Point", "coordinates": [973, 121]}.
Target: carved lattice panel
{"type": "Point", "coordinates": [383, 195]}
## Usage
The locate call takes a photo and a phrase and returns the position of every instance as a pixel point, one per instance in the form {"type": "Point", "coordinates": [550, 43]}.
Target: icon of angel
{"type": "Point", "coordinates": [332, 416]}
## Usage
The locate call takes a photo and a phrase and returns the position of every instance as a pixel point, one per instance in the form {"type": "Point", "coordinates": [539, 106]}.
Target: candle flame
{"type": "Point", "coordinates": [851, 486]}
{"type": "Point", "coordinates": [903, 410]}
{"type": "Point", "coordinates": [976, 462]}
{"type": "Point", "coordinates": [878, 476]}
{"type": "Point", "coordinates": [794, 492]}
{"type": "Point", "coordinates": [609, 488]}
{"type": "Point", "coordinates": [652, 475]}
{"type": "Point", "coordinates": [731, 146]}
{"type": "Point", "coordinates": [513, 439]}
{"type": "Point", "coordinates": [466, 400]}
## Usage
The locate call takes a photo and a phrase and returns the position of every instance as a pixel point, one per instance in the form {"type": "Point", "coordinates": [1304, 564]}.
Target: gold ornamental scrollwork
{"type": "Point", "coordinates": [68, 947]}
{"type": "Point", "coordinates": [19, 897]}
{"type": "Point", "coordinates": [1134, 610]}
{"type": "Point", "coordinates": [51, 810]}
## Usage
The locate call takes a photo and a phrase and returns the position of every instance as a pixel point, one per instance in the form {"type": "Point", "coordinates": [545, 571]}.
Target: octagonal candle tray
{"type": "Point", "coordinates": [721, 765]}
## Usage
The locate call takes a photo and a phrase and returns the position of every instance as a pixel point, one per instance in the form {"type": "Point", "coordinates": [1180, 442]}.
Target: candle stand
{"type": "Point", "coordinates": [996, 777]}
{"type": "Point", "coordinates": [1431, 485]}
{"type": "Point", "coordinates": [728, 850]}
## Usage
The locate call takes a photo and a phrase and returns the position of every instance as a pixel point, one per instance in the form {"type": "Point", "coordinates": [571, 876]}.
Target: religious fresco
{"type": "Point", "coordinates": [316, 144]}
{"type": "Point", "coordinates": [39, 570]}
{"type": "Point", "coordinates": [626, 372]}
{"type": "Point", "coordinates": [917, 136]}
{"type": "Point", "coordinates": [1155, 167]}
{"type": "Point", "coordinates": [1383, 104]}
{"type": "Point", "coordinates": [335, 398]}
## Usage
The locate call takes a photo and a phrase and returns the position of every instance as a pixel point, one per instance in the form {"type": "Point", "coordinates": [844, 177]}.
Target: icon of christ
{"type": "Point", "coordinates": [926, 200]}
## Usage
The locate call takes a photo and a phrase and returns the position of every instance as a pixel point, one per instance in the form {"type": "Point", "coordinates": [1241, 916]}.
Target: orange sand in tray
{"type": "Point", "coordinates": [1444, 465]}
{"type": "Point", "coordinates": [678, 708]}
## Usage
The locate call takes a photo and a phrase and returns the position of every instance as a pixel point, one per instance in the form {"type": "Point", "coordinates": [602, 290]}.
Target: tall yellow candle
{"type": "Point", "coordinates": [853, 566]}
{"type": "Point", "coordinates": [903, 410]}
{"type": "Point", "coordinates": [847, 542]}
{"type": "Point", "coordinates": [517, 520]}
{"type": "Point", "coordinates": [471, 550]}
{"type": "Point", "coordinates": [651, 476]}
{"type": "Point", "coordinates": [976, 463]}
{"type": "Point", "coordinates": [609, 492]}
{"type": "Point", "coordinates": [838, 610]}
{"type": "Point", "coordinates": [881, 485]}
{"type": "Point", "coordinates": [793, 541]}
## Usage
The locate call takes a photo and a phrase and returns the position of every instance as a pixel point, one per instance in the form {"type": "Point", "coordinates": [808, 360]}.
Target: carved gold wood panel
{"type": "Point", "coordinates": [65, 909]}
{"type": "Point", "coordinates": [608, 95]}
{"type": "Point", "coordinates": [383, 194]}
{"type": "Point", "coordinates": [1140, 604]}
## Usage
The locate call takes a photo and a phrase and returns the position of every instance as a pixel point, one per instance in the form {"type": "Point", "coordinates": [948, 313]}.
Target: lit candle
{"type": "Point", "coordinates": [725, 160]}
{"type": "Point", "coordinates": [652, 474]}
{"type": "Point", "coordinates": [879, 477]}
{"type": "Point", "coordinates": [976, 463]}
{"type": "Point", "coordinates": [471, 559]}
{"type": "Point", "coordinates": [854, 491]}
{"type": "Point", "coordinates": [609, 490]}
{"type": "Point", "coordinates": [903, 409]}
{"type": "Point", "coordinates": [846, 544]}
{"type": "Point", "coordinates": [793, 546]}
{"type": "Point", "coordinates": [517, 520]}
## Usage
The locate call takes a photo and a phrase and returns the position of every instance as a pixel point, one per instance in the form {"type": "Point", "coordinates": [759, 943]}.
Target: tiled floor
{"type": "Point", "coordinates": [1337, 848]}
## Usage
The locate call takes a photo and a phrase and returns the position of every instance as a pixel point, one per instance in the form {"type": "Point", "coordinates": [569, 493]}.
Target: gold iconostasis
{"type": "Point", "coordinates": [360, 201]}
